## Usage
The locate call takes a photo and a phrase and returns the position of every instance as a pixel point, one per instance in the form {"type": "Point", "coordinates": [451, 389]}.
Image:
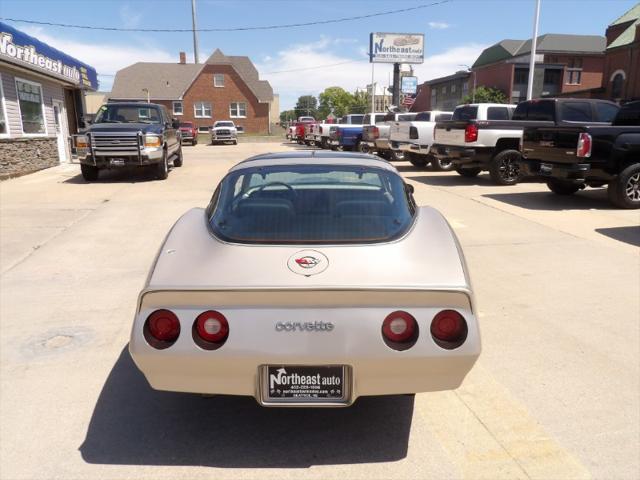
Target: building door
{"type": "Point", "coordinates": [62, 130]}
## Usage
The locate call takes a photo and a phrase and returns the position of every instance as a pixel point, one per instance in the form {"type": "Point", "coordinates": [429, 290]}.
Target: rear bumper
{"type": "Point", "coordinates": [463, 156]}
{"type": "Point", "coordinates": [577, 172]}
{"type": "Point", "coordinates": [383, 144]}
{"type": "Point", "coordinates": [356, 342]}
{"type": "Point", "coordinates": [411, 147]}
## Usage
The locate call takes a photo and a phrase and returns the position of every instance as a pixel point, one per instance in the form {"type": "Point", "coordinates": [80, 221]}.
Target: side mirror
{"type": "Point", "coordinates": [410, 188]}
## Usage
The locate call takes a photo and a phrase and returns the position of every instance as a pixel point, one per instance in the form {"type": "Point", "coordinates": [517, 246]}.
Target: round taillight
{"type": "Point", "coordinates": [449, 329]}
{"type": "Point", "coordinates": [400, 330]}
{"type": "Point", "coordinates": [162, 328]}
{"type": "Point", "coordinates": [212, 327]}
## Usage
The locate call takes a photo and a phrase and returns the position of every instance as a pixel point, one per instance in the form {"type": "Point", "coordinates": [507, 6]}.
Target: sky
{"type": "Point", "coordinates": [300, 61]}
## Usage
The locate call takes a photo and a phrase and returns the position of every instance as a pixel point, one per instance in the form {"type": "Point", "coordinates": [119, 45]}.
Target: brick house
{"type": "Point", "coordinates": [564, 64]}
{"type": "Point", "coordinates": [222, 88]}
{"type": "Point", "coordinates": [444, 93]}
{"type": "Point", "coordinates": [621, 79]}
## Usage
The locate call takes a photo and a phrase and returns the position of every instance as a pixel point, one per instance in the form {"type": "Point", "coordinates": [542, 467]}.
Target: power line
{"type": "Point", "coordinates": [234, 29]}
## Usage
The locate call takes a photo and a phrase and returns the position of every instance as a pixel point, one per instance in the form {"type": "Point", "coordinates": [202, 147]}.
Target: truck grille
{"type": "Point", "coordinates": [121, 142]}
{"type": "Point", "coordinates": [223, 132]}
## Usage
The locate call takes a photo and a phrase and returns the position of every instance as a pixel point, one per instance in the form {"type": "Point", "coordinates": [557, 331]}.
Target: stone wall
{"type": "Point", "coordinates": [19, 156]}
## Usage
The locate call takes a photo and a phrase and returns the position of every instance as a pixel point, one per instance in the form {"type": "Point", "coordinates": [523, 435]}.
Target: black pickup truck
{"type": "Point", "coordinates": [570, 157]}
{"type": "Point", "coordinates": [130, 134]}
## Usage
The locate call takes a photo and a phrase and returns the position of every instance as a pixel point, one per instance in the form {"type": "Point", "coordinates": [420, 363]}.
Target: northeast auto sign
{"type": "Point", "coordinates": [396, 48]}
{"type": "Point", "coordinates": [29, 52]}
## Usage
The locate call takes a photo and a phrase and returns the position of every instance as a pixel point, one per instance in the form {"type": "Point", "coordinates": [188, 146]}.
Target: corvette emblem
{"type": "Point", "coordinates": [308, 262]}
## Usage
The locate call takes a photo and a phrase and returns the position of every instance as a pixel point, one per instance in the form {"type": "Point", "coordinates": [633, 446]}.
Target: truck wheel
{"type": "Point", "coordinates": [178, 160]}
{"type": "Point", "coordinates": [162, 168]}
{"type": "Point", "coordinates": [89, 172]}
{"type": "Point", "coordinates": [235, 141]}
{"type": "Point", "coordinates": [441, 164]}
{"type": "Point", "coordinates": [624, 190]}
{"type": "Point", "coordinates": [504, 168]}
{"type": "Point", "coordinates": [324, 144]}
{"type": "Point", "coordinates": [363, 147]}
{"type": "Point", "coordinates": [347, 148]}
{"type": "Point", "coordinates": [419, 161]}
{"type": "Point", "coordinates": [561, 187]}
{"type": "Point", "coordinates": [468, 172]}
{"type": "Point", "coordinates": [394, 156]}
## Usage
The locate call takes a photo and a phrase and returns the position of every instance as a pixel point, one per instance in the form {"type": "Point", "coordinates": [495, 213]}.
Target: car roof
{"type": "Point", "coordinates": [314, 157]}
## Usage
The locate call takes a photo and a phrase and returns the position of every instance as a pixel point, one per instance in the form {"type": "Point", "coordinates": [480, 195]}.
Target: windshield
{"type": "Point", "coordinates": [311, 204]}
{"type": "Point", "coordinates": [127, 114]}
{"type": "Point", "coordinates": [186, 125]}
{"type": "Point", "coordinates": [224, 124]}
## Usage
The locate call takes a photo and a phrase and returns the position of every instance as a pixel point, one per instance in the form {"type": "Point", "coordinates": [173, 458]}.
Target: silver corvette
{"type": "Point", "coordinates": [311, 278]}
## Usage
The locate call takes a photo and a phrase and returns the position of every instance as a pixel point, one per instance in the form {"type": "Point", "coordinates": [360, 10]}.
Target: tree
{"type": "Point", "coordinates": [287, 115]}
{"type": "Point", "coordinates": [486, 95]}
{"type": "Point", "coordinates": [361, 102]}
{"type": "Point", "coordinates": [336, 100]}
{"type": "Point", "coordinates": [307, 106]}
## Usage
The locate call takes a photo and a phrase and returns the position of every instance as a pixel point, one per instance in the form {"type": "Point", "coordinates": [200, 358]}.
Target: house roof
{"type": "Point", "coordinates": [169, 81]}
{"type": "Point", "coordinates": [632, 17]}
{"type": "Point", "coordinates": [455, 76]}
{"type": "Point", "coordinates": [548, 43]}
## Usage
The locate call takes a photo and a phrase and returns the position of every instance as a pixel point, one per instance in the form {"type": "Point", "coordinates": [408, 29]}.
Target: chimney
{"type": "Point", "coordinates": [183, 58]}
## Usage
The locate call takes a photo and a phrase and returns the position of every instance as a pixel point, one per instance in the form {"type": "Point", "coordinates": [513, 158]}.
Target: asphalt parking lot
{"type": "Point", "coordinates": [555, 394]}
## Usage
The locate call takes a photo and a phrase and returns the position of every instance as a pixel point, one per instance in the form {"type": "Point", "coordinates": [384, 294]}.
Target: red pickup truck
{"type": "Point", "coordinates": [189, 132]}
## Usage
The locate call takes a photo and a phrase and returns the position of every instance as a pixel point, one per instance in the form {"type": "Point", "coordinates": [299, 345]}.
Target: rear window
{"type": "Point", "coordinates": [423, 117]}
{"type": "Point", "coordinates": [443, 117]}
{"type": "Point", "coordinates": [311, 204]}
{"type": "Point", "coordinates": [535, 111]}
{"type": "Point", "coordinates": [357, 119]}
{"type": "Point", "coordinates": [465, 113]}
{"type": "Point", "coordinates": [576, 112]}
{"type": "Point", "coordinates": [407, 117]}
{"type": "Point", "coordinates": [606, 112]}
{"type": "Point", "coordinates": [497, 113]}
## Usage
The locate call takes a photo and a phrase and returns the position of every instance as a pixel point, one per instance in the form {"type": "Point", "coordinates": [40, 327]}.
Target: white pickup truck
{"type": "Point", "coordinates": [481, 136]}
{"type": "Point", "coordinates": [376, 137]}
{"type": "Point", "coordinates": [414, 139]}
{"type": "Point", "coordinates": [321, 131]}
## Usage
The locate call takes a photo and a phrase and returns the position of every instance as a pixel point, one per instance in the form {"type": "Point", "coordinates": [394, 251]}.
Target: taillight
{"type": "Point", "coordinates": [471, 133]}
{"type": "Point", "coordinates": [584, 145]}
{"type": "Point", "coordinates": [376, 132]}
{"type": "Point", "coordinates": [320, 129]}
{"type": "Point", "coordinates": [413, 133]}
{"type": "Point", "coordinates": [400, 330]}
{"type": "Point", "coordinates": [161, 329]}
{"type": "Point", "coordinates": [449, 329]}
{"type": "Point", "coordinates": [210, 330]}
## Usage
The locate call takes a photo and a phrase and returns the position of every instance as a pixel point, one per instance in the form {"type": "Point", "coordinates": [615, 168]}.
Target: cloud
{"type": "Point", "coordinates": [347, 68]}
{"type": "Point", "coordinates": [105, 58]}
{"type": "Point", "coordinates": [439, 25]}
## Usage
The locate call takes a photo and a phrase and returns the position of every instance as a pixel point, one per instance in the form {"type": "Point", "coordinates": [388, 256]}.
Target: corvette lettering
{"type": "Point", "coordinates": [318, 326]}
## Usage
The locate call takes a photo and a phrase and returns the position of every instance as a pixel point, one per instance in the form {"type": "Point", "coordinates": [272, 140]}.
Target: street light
{"type": "Point", "coordinates": [473, 93]}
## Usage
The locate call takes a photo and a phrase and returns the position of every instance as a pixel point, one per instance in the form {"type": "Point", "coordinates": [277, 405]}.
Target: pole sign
{"type": "Point", "coordinates": [28, 52]}
{"type": "Point", "coordinates": [409, 85]}
{"type": "Point", "coordinates": [396, 48]}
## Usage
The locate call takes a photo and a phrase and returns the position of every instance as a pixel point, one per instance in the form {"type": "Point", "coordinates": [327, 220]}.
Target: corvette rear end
{"type": "Point", "coordinates": [242, 308]}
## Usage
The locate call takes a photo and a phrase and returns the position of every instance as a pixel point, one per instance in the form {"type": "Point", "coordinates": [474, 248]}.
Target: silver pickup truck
{"type": "Point", "coordinates": [376, 137]}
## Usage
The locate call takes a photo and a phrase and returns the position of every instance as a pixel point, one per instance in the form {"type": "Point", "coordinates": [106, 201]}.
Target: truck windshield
{"type": "Point", "coordinates": [224, 124]}
{"type": "Point", "coordinates": [465, 113]}
{"type": "Point", "coordinates": [127, 114]}
{"type": "Point", "coordinates": [311, 204]}
{"type": "Point", "coordinates": [186, 125]}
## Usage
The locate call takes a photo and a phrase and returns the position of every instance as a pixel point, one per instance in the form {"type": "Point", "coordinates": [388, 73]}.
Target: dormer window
{"type": "Point", "coordinates": [218, 80]}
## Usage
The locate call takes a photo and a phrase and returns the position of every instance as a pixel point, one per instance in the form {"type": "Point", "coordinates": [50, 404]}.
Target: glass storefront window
{"type": "Point", "coordinates": [31, 107]}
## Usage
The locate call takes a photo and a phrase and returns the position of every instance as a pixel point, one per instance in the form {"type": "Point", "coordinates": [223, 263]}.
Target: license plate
{"type": "Point", "coordinates": [305, 384]}
{"type": "Point", "coordinates": [117, 162]}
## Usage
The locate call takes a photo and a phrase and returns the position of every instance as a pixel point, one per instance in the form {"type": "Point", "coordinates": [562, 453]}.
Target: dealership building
{"type": "Point", "coordinates": [41, 102]}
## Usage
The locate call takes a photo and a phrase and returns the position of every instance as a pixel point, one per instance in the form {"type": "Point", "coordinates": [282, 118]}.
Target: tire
{"type": "Point", "coordinates": [89, 172]}
{"type": "Point", "coordinates": [347, 148]}
{"type": "Point", "coordinates": [504, 168]}
{"type": "Point", "coordinates": [441, 164]}
{"type": "Point", "coordinates": [419, 161]}
{"type": "Point", "coordinates": [324, 144]}
{"type": "Point", "coordinates": [394, 156]}
{"type": "Point", "coordinates": [235, 142]}
{"type": "Point", "coordinates": [468, 172]}
{"type": "Point", "coordinates": [178, 160]}
{"type": "Point", "coordinates": [194, 142]}
{"type": "Point", "coordinates": [624, 190]}
{"type": "Point", "coordinates": [162, 168]}
{"type": "Point", "coordinates": [363, 147]}
{"type": "Point", "coordinates": [560, 187]}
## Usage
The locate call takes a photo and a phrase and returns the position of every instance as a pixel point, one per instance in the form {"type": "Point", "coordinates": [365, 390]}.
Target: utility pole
{"type": "Point", "coordinates": [396, 85]}
{"type": "Point", "coordinates": [195, 32]}
{"type": "Point", "coordinates": [532, 60]}
{"type": "Point", "coordinates": [373, 93]}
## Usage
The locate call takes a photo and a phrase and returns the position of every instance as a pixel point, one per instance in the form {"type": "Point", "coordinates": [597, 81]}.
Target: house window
{"type": "Point", "coordinates": [177, 108]}
{"type": "Point", "coordinates": [202, 109]}
{"type": "Point", "coordinates": [520, 76]}
{"type": "Point", "coordinates": [218, 80]}
{"type": "Point", "coordinates": [453, 88]}
{"type": "Point", "coordinates": [444, 89]}
{"type": "Point", "coordinates": [465, 88]}
{"type": "Point", "coordinates": [31, 107]}
{"type": "Point", "coordinates": [238, 110]}
{"type": "Point", "coordinates": [4, 124]}
{"type": "Point", "coordinates": [574, 71]}
{"type": "Point", "coordinates": [616, 85]}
